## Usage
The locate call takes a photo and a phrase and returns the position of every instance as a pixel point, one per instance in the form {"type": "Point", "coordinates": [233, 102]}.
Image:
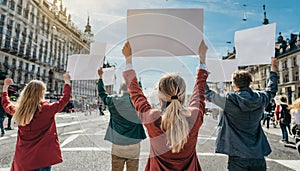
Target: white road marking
{"type": "Point", "coordinates": [293, 164]}
{"type": "Point", "coordinates": [68, 140]}
{"type": "Point", "coordinates": [74, 132]}
{"type": "Point", "coordinates": [2, 138]}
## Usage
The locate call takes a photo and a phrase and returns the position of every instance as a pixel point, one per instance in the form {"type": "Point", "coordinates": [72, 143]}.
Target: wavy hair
{"type": "Point", "coordinates": [29, 102]}
{"type": "Point", "coordinates": [171, 91]}
{"type": "Point", "coordinates": [295, 105]}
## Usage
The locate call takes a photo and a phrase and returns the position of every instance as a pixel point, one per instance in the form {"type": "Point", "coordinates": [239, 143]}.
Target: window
{"type": "Point", "coordinates": [294, 61]}
{"type": "Point", "coordinates": [284, 64]}
{"type": "Point", "coordinates": [32, 17]}
{"type": "Point", "coordinates": [296, 76]}
{"type": "Point", "coordinates": [286, 78]}
{"type": "Point", "coordinates": [26, 12]}
{"type": "Point", "coordinates": [3, 2]}
{"type": "Point", "coordinates": [12, 5]}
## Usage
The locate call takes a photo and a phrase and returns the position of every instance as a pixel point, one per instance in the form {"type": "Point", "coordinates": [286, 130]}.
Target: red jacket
{"type": "Point", "coordinates": [161, 158]}
{"type": "Point", "coordinates": [37, 143]}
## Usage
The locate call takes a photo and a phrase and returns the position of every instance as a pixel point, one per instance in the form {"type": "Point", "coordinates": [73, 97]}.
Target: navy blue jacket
{"type": "Point", "coordinates": [239, 131]}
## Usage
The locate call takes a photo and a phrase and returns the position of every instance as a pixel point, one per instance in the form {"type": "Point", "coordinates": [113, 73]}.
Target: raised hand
{"type": "Point", "coordinates": [202, 52]}
{"type": "Point", "coordinates": [275, 64]}
{"type": "Point", "coordinates": [127, 53]}
{"type": "Point", "coordinates": [100, 72]}
{"type": "Point", "coordinates": [8, 82]}
{"type": "Point", "coordinates": [67, 78]}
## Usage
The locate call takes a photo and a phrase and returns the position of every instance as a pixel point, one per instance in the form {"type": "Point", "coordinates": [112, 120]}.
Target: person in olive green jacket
{"type": "Point", "coordinates": [125, 129]}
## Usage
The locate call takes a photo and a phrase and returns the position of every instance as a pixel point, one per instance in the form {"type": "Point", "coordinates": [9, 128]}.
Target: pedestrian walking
{"type": "Point", "coordinates": [173, 129]}
{"type": "Point", "coordinates": [269, 113]}
{"type": "Point", "coordinates": [37, 146]}
{"type": "Point", "coordinates": [239, 133]}
{"type": "Point", "coordinates": [125, 129]}
{"type": "Point", "coordinates": [2, 117]}
{"type": "Point", "coordinates": [284, 118]}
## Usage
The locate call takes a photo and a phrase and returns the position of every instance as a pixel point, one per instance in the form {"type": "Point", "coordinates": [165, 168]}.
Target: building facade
{"type": "Point", "coordinates": [36, 37]}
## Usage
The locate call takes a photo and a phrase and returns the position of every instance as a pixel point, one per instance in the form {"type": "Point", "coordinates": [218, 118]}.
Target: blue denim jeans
{"type": "Point", "coordinates": [43, 169]}
{"type": "Point", "coordinates": [284, 132]}
{"type": "Point", "coordinates": [245, 164]}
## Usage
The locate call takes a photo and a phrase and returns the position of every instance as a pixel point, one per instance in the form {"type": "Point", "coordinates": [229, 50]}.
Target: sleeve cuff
{"type": "Point", "coordinates": [128, 67]}
{"type": "Point", "coordinates": [202, 66]}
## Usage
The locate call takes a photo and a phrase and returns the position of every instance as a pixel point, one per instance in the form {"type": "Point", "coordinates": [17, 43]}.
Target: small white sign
{"type": "Point", "coordinates": [221, 70]}
{"type": "Point", "coordinates": [109, 76]}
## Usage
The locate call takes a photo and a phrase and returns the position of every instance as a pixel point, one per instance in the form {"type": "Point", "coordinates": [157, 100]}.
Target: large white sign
{"type": "Point", "coordinates": [85, 66]}
{"type": "Point", "coordinates": [164, 32]}
{"type": "Point", "coordinates": [221, 70]}
{"type": "Point", "coordinates": [256, 45]}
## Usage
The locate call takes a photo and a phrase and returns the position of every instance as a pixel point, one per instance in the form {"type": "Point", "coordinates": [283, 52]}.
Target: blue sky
{"type": "Point", "coordinates": [221, 19]}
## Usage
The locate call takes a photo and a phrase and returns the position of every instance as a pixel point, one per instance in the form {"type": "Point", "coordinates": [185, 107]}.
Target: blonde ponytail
{"type": "Point", "coordinates": [175, 124]}
{"type": "Point", "coordinates": [171, 89]}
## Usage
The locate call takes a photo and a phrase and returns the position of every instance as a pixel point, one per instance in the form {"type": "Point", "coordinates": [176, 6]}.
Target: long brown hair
{"type": "Point", "coordinates": [171, 91]}
{"type": "Point", "coordinates": [29, 102]}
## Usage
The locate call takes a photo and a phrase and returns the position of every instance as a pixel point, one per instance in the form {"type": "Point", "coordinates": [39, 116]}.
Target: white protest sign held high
{"type": "Point", "coordinates": [85, 66]}
{"type": "Point", "coordinates": [98, 48]}
{"type": "Point", "coordinates": [164, 32]}
{"type": "Point", "coordinates": [255, 46]}
{"type": "Point", "coordinates": [221, 70]}
{"type": "Point", "coordinates": [108, 76]}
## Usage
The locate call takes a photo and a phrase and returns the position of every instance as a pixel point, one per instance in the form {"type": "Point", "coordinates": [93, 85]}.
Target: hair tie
{"type": "Point", "coordinates": [174, 97]}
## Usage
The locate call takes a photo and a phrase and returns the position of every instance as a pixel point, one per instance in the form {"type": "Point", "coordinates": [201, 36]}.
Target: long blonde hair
{"type": "Point", "coordinates": [295, 105]}
{"type": "Point", "coordinates": [171, 91]}
{"type": "Point", "coordinates": [29, 102]}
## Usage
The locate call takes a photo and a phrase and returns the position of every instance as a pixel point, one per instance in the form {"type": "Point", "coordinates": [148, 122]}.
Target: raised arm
{"type": "Point", "coordinates": [137, 96]}
{"type": "Point", "coordinates": [6, 103]}
{"type": "Point", "coordinates": [63, 101]}
{"type": "Point", "coordinates": [197, 98]}
{"type": "Point", "coordinates": [272, 86]}
{"type": "Point", "coordinates": [101, 91]}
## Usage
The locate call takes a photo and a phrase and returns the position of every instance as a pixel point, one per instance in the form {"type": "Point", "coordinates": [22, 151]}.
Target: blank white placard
{"type": "Point", "coordinates": [221, 70]}
{"type": "Point", "coordinates": [84, 67]}
{"type": "Point", "coordinates": [164, 32]}
{"type": "Point", "coordinates": [108, 76]}
{"type": "Point", "coordinates": [256, 45]}
{"type": "Point", "coordinates": [98, 48]}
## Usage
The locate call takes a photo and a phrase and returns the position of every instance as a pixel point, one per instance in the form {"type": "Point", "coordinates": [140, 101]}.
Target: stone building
{"type": "Point", "coordinates": [36, 37]}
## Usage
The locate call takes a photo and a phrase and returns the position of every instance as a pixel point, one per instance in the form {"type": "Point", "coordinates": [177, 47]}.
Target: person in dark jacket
{"type": "Point", "coordinates": [2, 117]}
{"type": "Point", "coordinates": [239, 132]}
{"type": "Point", "coordinates": [269, 112]}
{"type": "Point", "coordinates": [125, 129]}
{"type": "Point", "coordinates": [284, 119]}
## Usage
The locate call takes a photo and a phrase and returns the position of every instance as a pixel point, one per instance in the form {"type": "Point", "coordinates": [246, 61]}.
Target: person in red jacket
{"type": "Point", "coordinates": [173, 129]}
{"type": "Point", "coordinates": [37, 146]}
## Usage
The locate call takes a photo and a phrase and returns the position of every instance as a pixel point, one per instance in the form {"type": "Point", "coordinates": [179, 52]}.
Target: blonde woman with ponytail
{"type": "Point", "coordinates": [173, 129]}
{"type": "Point", "coordinates": [37, 145]}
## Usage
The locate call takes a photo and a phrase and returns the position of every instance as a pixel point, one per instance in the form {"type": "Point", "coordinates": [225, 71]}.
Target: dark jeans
{"type": "Point", "coordinates": [245, 164]}
{"type": "Point", "coordinates": [284, 132]}
{"type": "Point", "coordinates": [43, 169]}
{"type": "Point", "coordinates": [266, 118]}
{"type": "Point", "coordinates": [9, 121]}
{"type": "Point", "coordinates": [1, 125]}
